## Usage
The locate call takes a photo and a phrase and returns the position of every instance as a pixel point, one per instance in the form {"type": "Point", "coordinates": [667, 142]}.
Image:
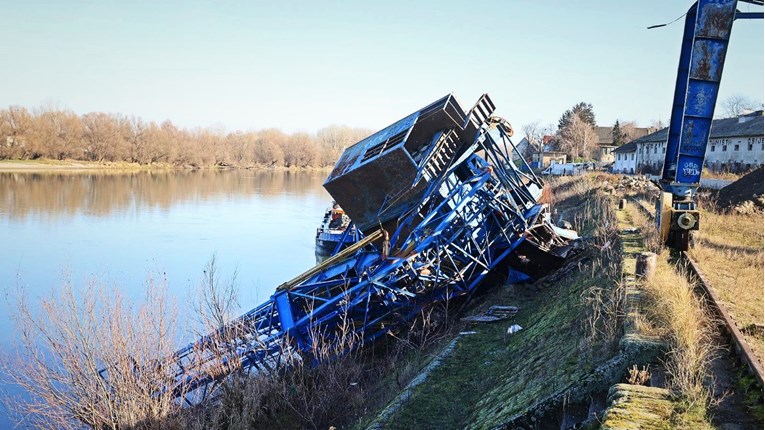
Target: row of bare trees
{"type": "Point", "coordinates": [61, 135]}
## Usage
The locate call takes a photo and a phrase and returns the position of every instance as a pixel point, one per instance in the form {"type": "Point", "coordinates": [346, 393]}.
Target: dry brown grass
{"type": "Point", "coordinates": [647, 226]}
{"type": "Point", "coordinates": [688, 328]}
{"type": "Point", "coordinates": [674, 313]}
{"type": "Point", "coordinates": [565, 187]}
{"type": "Point", "coordinates": [595, 219]}
{"type": "Point", "coordinates": [729, 251]}
{"type": "Point", "coordinates": [328, 387]}
{"type": "Point", "coordinates": [707, 173]}
{"type": "Point", "coordinates": [605, 301]}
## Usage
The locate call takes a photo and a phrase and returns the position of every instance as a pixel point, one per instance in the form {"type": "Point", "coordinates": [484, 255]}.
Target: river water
{"type": "Point", "coordinates": [119, 228]}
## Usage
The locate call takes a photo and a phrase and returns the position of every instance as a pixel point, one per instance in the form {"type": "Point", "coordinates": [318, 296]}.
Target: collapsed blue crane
{"type": "Point", "coordinates": [708, 25]}
{"type": "Point", "coordinates": [442, 207]}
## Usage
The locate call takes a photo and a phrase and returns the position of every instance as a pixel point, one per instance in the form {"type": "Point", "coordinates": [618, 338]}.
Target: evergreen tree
{"type": "Point", "coordinates": [583, 110]}
{"type": "Point", "coordinates": [619, 136]}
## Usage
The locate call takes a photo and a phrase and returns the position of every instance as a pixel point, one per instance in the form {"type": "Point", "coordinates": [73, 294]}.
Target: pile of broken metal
{"type": "Point", "coordinates": [444, 209]}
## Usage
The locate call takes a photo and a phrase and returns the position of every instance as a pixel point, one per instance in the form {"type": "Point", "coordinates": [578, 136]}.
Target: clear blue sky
{"type": "Point", "coordinates": [302, 65]}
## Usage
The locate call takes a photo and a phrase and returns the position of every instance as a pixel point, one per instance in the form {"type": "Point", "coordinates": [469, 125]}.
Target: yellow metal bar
{"type": "Point", "coordinates": [329, 261]}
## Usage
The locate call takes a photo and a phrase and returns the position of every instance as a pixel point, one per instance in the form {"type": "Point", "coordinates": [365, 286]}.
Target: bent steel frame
{"type": "Point", "coordinates": [454, 211]}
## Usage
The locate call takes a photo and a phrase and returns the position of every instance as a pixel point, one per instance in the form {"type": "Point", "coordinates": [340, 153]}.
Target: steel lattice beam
{"type": "Point", "coordinates": [459, 220]}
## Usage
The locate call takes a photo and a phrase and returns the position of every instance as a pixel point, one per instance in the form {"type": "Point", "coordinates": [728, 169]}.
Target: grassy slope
{"type": "Point", "coordinates": [492, 376]}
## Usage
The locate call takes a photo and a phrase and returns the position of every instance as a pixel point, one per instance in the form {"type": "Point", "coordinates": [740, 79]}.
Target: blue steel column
{"type": "Point", "coordinates": [284, 309]}
{"type": "Point", "coordinates": [678, 101]}
{"type": "Point", "coordinates": [701, 64]}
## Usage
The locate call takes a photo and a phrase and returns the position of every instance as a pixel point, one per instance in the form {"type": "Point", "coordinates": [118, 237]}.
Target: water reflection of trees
{"type": "Point", "coordinates": [102, 193]}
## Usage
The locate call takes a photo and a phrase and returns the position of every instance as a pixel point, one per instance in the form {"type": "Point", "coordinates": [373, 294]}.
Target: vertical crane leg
{"type": "Point", "coordinates": [705, 43]}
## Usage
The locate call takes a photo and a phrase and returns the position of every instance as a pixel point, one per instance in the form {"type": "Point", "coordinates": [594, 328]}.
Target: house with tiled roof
{"type": "Point", "coordinates": [735, 145]}
{"type": "Point", "coordinates": [606, 145]}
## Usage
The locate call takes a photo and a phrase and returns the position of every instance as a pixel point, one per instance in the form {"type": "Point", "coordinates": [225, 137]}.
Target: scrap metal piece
{"type": "Point", "coordinates": [493, 314]}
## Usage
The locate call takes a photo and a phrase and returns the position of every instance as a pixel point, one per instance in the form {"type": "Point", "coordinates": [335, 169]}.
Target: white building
{"type": "Point", "coordinates": [624, 158]}
{"type": "Point", "coordinates": [735, 144]}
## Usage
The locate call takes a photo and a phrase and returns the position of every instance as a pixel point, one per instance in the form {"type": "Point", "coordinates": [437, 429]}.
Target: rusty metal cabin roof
{"type": "Point", "coordinates": [353, 156]}
{"type": "Point", "coordinates": [373, 180]}
{"type": "Point", "coordinates": [395, 134]}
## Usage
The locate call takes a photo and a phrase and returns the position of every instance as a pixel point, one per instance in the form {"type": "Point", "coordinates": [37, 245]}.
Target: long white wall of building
{"type": "Point", "coordinates": [730, 153]}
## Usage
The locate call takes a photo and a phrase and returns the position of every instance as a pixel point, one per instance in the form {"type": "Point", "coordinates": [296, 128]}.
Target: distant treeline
{"type": "Point", "coordinates": [63, 135]}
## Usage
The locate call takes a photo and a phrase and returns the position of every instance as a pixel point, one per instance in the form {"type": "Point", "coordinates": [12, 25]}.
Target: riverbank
{"type": "Point", "coordinates": [576, 333]}
{"type": "Point", "coordinates": [46, 164]}
{"type": "Point", "coordinates": [40, 165]}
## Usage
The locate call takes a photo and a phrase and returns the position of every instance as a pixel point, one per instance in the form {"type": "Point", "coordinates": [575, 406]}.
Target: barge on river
{"type": "Point", "coordinates": [335, 233]}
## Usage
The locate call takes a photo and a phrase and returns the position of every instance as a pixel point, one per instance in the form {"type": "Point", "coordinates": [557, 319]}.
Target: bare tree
{"type": "Point", "coordinates": [15, 126]}
{"type": "Point", "coordinates": [300, 150]}
{"type": "Point", "coordinates": [137, 140]}
{"type": "Point", "coordinates": [578, 138]}
{"type": "Point", "coordinates": [63, 134]}
{"type": "Point", "coordinates": [87, 356]}
{"type": "Point", "coordinates": [216, 299]}
{"type": "Point", "coordinates": [334, 139]}
{"type": "Point", "coordinates": [736, 105]}
{"type": "Point", "coordinates": [239, 147]}
{"type": "Point", "coordinates": [268, 147]}
{"type": "Point", "coordinates": [534, 132]}
{"type": "Point", "coordinates": [103, 137]}
{"type": "Point", "coordinates": [656, 125]}
{"type": "Point", "coordinates": [52, 132]}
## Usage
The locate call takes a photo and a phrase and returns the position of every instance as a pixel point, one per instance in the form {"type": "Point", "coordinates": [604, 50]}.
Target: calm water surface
{"type": "Point", "coordinates": [118, 228]}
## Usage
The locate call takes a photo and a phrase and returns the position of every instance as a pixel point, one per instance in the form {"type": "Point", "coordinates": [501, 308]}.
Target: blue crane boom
{"type": "Point", "coordinates": [707, 32]}
{"type": "Point", "coordinates": [442, 207]}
